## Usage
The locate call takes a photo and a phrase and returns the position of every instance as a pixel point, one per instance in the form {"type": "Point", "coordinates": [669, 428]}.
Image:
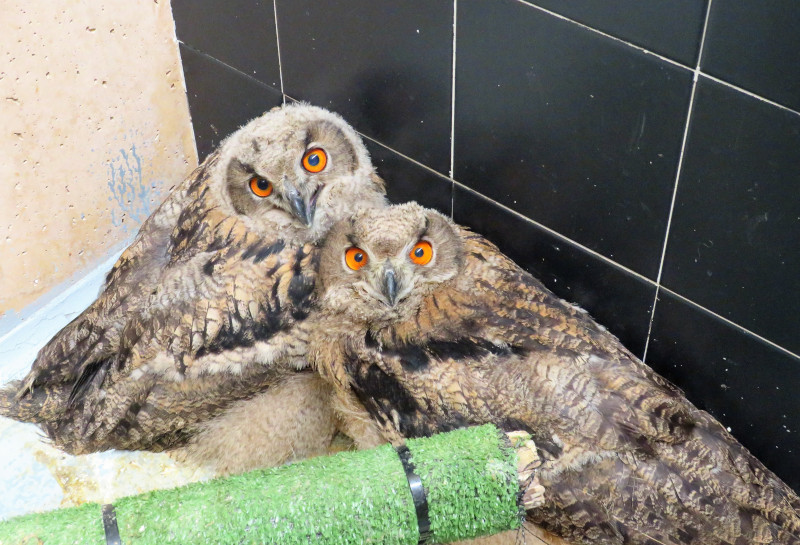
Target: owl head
{"type": "Point", "coordinates": [379, 265]}
{"type": "Point", "coordinates": [293, 172]}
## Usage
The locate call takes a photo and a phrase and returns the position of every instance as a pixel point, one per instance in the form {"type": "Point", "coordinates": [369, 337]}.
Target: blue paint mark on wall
{"type": "Point", "coordinates": [135, 200]}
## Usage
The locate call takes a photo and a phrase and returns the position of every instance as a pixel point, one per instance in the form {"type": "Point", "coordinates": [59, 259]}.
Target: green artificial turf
{"type": "Point", "coordinates": [349, 498]}
{"type": "Point", "coordinates": [470, 476]}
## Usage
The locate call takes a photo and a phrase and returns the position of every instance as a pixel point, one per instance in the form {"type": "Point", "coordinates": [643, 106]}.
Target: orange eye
{"type": "Point", "coordinates": [315, 160]}
{"type": "Point", "coordinates": [421, 253]}
{"type": "Point", "coordinates": [355, 258]}
{"type": "Point", "coordinates": [260, 187]}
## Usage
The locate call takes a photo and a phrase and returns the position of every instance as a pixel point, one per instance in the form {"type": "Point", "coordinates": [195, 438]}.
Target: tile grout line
{"type": "Point", "coordinates": [453, 115]}
{"type": "Point", "coordinates": [646, 51]}
{"type": "Point", "coordinates": [229, 67]}
{"type": "Point", "coordinates": [426, 167]}
{"type": "Point", "coordinates": [678, 172]}
{"type": "Point", "coordinates": [606, 35]}
{"type": "Point", "coordinates": [558, 235]}
{"type": "Point", "coordinates": [751, 94]}
{"type": "Point", "coordinates": [587, 250]}
{"type": "Point", "coordinates": [278, 43]}
{"type": "Point", "coordinates": [514, 212]}
{"type": "Point", "coordinates": [624, 269]}
{"type": "Point", "coordinates": [541, 226]}
{"type": "Point", "coordinates": [731, 323]}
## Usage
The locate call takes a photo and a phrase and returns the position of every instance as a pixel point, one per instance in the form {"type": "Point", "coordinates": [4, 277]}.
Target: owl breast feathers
{"type": "Point", "coordinates": [197, 313]}
{"type": "Point", "coordinates": [432, 328]}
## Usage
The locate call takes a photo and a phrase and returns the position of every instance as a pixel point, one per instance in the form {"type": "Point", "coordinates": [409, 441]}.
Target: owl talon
{"type": "Point", "coordinates": [527, 462]}
{"type": "Point", "coordinates": [533, 496]}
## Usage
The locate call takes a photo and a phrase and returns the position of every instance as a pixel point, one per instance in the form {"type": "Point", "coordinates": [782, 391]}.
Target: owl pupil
{"type": "Point", "coordinates": [313, 159]}
{"type": "Point", "coordinates": [263, 185]}
{"type": "Point", "coordinates": [358, 258]}
{"type": "Point", "coordinates": [419, 252]}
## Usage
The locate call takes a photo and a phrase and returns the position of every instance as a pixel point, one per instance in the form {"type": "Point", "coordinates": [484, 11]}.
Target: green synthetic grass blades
{"type": "Point", "coordinates": [469, 476]}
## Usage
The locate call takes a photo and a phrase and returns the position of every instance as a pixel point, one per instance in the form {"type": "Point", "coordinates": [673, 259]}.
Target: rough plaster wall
{"type": "Point", "coordinates": [94, 130]}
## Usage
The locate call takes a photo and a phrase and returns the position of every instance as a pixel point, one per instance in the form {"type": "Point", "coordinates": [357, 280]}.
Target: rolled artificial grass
{"type": "Point", "coordinates": [469, 477]}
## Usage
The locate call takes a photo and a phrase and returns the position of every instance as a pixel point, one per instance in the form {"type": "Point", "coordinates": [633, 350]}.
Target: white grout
{"type": "Point", "coordinates": [631, 272]}
{"type": "Point", "coordinates": [695, 70]}
{"type": "Point", "coordinates": [731, 323]}
{"type": "Point", "coordinates": [677, 177]}
{"type": "Point", "coordinates": [558, 235]}
{"type": "Point", "coordinates": [606, 35]}
{"type": "Point", "coordinates": [749, 93]}
{"type": "Point", "coordinates": [278, 41]}
{"type": "Point", "coordinates": [593, 253]}
{"type": "Point", "coordinates": [213, 60]}
{"type": "Point", "coordinates": [426, 167]}
{"type": "Point", "coordinates": [453, 113]}
{"type": "Point", "coordinates": [697, 73]}
{"type": "Point", "coordinates": [514, 212]}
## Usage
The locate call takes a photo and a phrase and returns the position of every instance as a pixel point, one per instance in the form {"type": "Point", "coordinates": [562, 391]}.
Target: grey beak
{"type": "Point", "coordinates": [304, 213]}
{"type": "Point", "coordinates": [389, 287]}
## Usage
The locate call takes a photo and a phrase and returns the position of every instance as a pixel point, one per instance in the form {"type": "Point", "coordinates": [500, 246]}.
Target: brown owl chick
{"type": "Point", "coordinates": [198, 311]}
{"type": "Point", "coordinates": [432, 328]}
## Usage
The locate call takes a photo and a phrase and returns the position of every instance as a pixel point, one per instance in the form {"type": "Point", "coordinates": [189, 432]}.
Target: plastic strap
{"type": "Point", "coordinates": [418, 493]}
{"type": "Point", "coordinates": [110, 525]}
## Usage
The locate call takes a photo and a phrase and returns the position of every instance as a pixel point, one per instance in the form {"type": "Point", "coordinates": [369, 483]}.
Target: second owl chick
{"type": "Point", "coordinates": [432, 328]}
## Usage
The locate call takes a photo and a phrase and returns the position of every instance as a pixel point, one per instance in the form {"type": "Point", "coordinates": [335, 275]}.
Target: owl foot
{"type": "Point", "coordinates": [527, 462]}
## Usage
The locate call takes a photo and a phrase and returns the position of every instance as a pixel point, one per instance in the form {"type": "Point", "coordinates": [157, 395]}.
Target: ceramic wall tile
{"type": "Point", "coordinates": [755, 44]}
{"type": "Point", "coordinates": [572, 129]}
{"type": "Point", "coordinates": [221, 99]}
{"type": "Point", "coordinates": [734, 243]}
{"type": "Point", "coordinates": [748, 385]}
{"type": "Point", "coordinates": [669, 27]}
{"type": "Point", "coordinates": [619, 300]}
{"type": "Point", "coordinates": [385, 65]}
{"type": "Point", "coordinates": [239, 33]}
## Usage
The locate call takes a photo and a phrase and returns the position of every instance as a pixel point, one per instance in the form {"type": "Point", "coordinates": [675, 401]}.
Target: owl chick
{"type": "Point", "coordinates": [432, 328]}
{"type": "Point", "coordinates": [198, 311]}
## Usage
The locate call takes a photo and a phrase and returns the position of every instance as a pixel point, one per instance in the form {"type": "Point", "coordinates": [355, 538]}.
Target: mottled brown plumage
{"type": "Point", "coordinates": [197, 312]}
{"type": "Point", "coordinates": [470, 338]}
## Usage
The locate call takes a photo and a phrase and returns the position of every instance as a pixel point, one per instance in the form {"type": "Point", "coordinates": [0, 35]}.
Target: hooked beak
{"type": "Point", "coordinates": [389, 287]}
{"type": "Point", "coordinates": [304, 211]}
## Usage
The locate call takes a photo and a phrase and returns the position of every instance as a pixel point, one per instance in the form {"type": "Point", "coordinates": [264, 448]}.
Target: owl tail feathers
{"type": "Point", "coordinates": [38, 405]}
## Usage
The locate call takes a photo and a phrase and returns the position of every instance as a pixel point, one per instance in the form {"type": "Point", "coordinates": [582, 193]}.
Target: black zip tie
{"type": "Point", "coordinates": [110, 525]}
{"type": "Point", "coordinates": [418, 493]}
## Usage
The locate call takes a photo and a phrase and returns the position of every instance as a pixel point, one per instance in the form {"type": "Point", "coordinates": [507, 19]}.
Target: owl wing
{"type": "Point", "coordinates": [496, 322]}
{"type": "Point", "coordinates": [95, 334]}
{"type": "Point", "coordinates": [162, 349]}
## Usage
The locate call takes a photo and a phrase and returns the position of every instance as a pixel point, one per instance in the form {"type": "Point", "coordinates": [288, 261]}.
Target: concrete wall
{"type": "Point", "coordinates": [94, 130]}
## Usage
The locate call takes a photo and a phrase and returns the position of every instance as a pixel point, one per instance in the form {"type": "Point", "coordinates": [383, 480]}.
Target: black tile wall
{"type": "Point", "coordinates": [409, 181]}
{"type": "Point", "coordinates": [569, 128]}
{"type": "Point", "coordinates": [671, 28]}
{"type": "Point", "coordinates": [616, 298]}
{"type": "Point", "coordinates": [756, 44]}
{"type": "Point", "coordinates": [240, 33]}
{"type": "Point", "coordinates": [386, 66]}
{"type": "Point", "coordinates": [221, 99]}
{"type": "Point", "coordinates": [748, 385]}
{"type": "Point", "coordinates": [734, 243]}
{"type": "Point", "coordinates": [567, 147]}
